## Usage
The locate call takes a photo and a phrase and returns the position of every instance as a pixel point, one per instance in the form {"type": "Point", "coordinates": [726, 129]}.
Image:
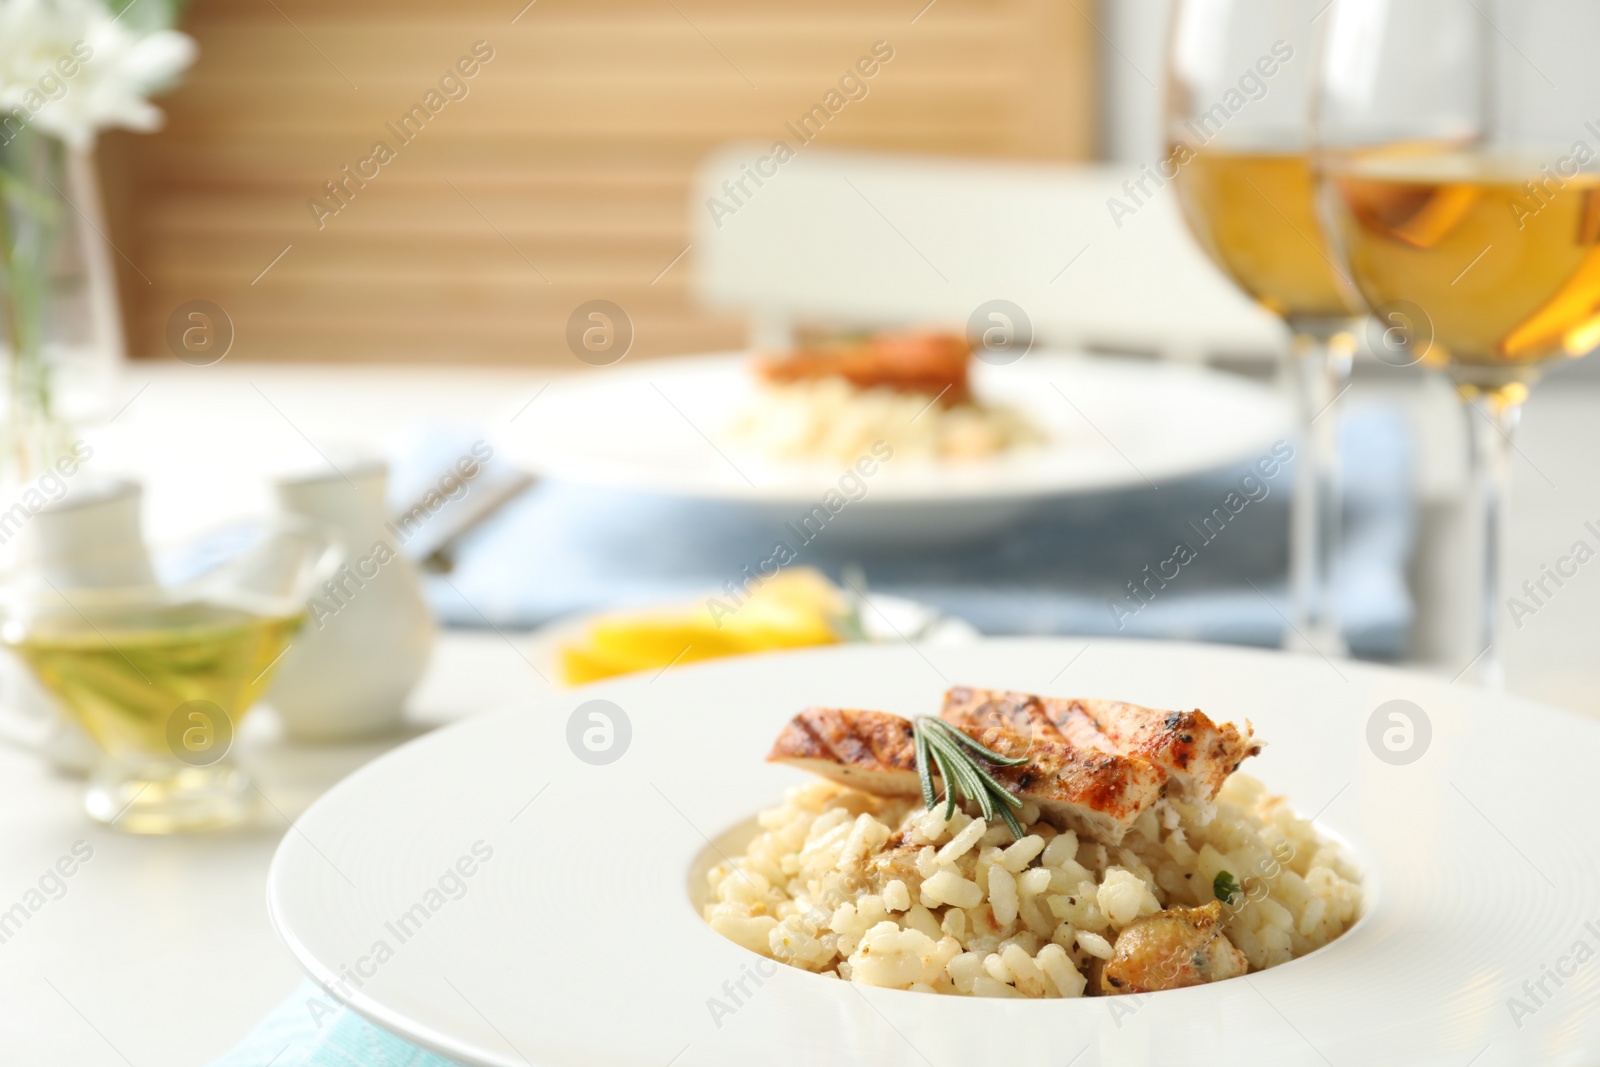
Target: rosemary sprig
{"type": "Point", "coordinates": [956, 756]}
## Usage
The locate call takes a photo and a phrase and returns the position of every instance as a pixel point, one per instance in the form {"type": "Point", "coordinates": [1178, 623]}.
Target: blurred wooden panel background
{"type": "Point", "coordinates": [561, 177]}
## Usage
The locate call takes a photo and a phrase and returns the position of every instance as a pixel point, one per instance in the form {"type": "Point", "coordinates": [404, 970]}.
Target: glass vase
{"type": "Point", "coordinates": [61, 351]}
{"type": "Point", "coordinates": [60, 329]}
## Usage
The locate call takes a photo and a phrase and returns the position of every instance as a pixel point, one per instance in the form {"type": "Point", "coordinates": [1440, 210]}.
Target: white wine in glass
{"type": "Point", "coordinates": [1254, 214]}
{"type": "Point", "coordinates": [1238, 82]}
{"type": "Point", "coordinates": [1507, 279]}
{"type": "Point", "coordinates": [1462, 193]}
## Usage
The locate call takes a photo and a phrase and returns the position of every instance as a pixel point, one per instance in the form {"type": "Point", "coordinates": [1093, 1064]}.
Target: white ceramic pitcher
{"type": "Point", "coordinates": [368, 631]}
{"type": "Point", "coordinates": [90, 536]}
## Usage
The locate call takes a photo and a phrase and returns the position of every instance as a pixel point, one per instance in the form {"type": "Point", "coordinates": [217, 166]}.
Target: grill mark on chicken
{"type": "Point", "coordinates": [853, 743]}
{"type": "Point", "coordinates": [1095, 792]}
{"type": "Point", "coordinates": [1197, 753]}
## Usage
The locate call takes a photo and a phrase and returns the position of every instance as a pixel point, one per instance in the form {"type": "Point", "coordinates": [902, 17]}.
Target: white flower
{"type": "Point", "coordinates": [69, 68]}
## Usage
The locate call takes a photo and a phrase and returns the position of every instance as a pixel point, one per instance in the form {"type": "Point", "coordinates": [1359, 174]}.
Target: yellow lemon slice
{"type": "Point", "coordinates": [793, 609]}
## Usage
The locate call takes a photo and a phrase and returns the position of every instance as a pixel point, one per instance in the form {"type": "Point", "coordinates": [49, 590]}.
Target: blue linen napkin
{"type": "Point", "coordinates": [562, 549]}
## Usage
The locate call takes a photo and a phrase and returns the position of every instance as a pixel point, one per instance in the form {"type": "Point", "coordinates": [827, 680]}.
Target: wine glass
{"type": "Point", "coordinates": [1239, 74]}
{"type": "Point", "coordinates": [1457, 159]}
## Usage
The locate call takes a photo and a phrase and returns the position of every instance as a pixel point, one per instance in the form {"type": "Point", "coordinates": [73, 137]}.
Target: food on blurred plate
{"type": "Point", "coordinates": [834, 400]}
{"type": "Point", "coordinates": [795, 608]}
{"type": "Point", "coordinates": [1024, 846]}
{"type": "Point", "coordinates": [926, 364]}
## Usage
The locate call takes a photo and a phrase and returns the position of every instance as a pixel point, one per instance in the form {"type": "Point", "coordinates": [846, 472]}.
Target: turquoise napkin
{"type": "Point", "coordinates": [309, 1030]}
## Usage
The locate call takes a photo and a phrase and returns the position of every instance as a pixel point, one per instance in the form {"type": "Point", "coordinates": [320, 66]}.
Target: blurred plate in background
{"type": "Point", "coordinates": [663, 427]}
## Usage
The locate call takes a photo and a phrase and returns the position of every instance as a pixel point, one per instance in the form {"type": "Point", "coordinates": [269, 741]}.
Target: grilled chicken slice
{"type": "Point", "coordinates": [872, 751]}
{"type": "Point", "coordinates": [1197, 754]}
{"type": "Point", "coordinates": [1094, 792]}
{"type": "Point", "coordinates": [920, 362]}
{"type": "Point", "coordinates": [1172, 949]}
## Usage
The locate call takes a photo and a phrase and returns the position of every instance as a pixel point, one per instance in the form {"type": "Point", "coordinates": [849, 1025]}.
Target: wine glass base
{"type": "Point", "coordinates": [182, 800]}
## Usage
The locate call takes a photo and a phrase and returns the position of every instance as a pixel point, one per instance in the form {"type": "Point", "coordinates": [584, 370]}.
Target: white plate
{"type": "Point", "coordinates": [576, 942]}
{"type": "Point", "coordinates": [661, 426]}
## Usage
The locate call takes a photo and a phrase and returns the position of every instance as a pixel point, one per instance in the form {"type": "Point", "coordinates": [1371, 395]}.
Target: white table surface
{"type": "Point", "coordinates": [160, 954]}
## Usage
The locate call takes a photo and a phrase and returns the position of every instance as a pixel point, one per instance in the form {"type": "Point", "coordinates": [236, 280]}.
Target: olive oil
{"type": "Point", "coordinates": [123, 674]}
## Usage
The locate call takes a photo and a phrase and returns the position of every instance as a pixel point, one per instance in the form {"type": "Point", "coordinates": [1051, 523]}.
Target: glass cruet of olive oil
{"type": "Point", "coordinates": [159, 674]}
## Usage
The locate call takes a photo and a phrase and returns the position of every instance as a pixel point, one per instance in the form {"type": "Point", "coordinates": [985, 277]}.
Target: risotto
{"type": "Point", "coordinates": [828, 418]}
{"type": "Point", "coordinates": [878, 890]}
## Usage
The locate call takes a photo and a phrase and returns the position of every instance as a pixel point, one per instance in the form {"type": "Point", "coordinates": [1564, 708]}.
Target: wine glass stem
{"type": "Point", "coordinates": [1320, 364]}
{"type": "Point", "coordinates": [1494, 416]}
